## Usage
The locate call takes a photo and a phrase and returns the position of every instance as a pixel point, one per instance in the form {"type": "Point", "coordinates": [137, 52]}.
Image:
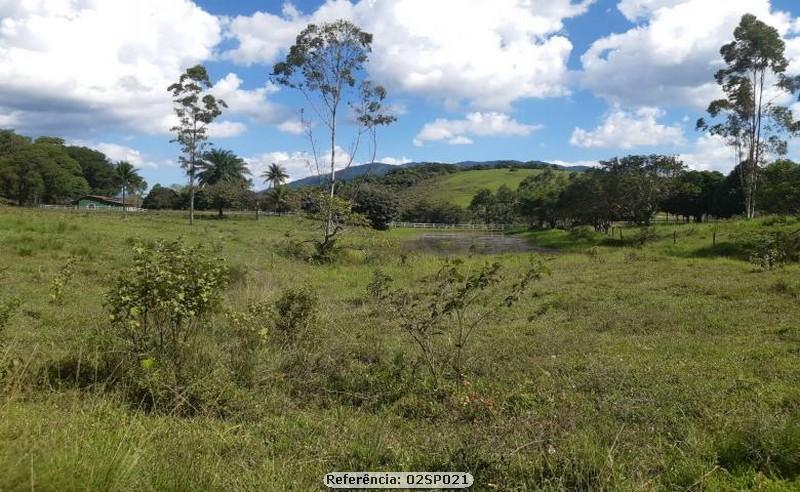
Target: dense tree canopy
{"type": "Point", "coordinates": [39, 172]}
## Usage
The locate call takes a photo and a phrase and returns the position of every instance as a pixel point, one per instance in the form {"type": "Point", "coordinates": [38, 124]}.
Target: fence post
{"type": "Point", "coordinates": [674, 237]}
{"type": "Point", "coordinates": [714, 238]}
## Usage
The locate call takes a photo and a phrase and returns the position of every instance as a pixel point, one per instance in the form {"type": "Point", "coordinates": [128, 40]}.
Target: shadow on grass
{"type": "Point", "coordinates": [737, 251]}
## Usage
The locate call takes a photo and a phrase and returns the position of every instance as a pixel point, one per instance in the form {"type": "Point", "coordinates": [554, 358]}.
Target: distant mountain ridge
{"type": "Point", "coordinates": [380, 169]}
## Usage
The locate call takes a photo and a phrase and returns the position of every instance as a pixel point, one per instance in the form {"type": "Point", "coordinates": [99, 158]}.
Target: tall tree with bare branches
{"type": "Point", "coordinates": [195, 109]}
{"type": "Point", "coordinates": [753, 123]}
{"type": "Point", "coordinates": [327, 65]}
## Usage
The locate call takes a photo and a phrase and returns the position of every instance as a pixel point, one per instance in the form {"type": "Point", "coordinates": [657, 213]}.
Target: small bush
{"type": "Point", "coordinates": [378, 287]}
{"type": "Point", "coordinates": [60, 282]}
{"type": "Point", "coordinates": [583, 233]}
{"type": "Point", "coordinates": [776, 249]}
{"type": "Point", "coordinates": [158, 309]}
{"type": "Point", "coordinates": [443, 314]}
{"type": "Point", "coordinates": [248, 332]}
{"type": "Point", "coordinates": [294, 311]}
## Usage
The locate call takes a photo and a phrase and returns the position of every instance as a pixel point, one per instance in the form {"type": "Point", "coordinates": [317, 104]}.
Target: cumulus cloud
{"type": "Point", "coordinates": [587, 163]}
{"type": "Point", "coordinates": [457, 132]}
{"type": "Point", "coordinates": [394, 161]}
{"type": "Point", "coordinates": [625, 130]}
{"type": "Point", "coordinates": [710, 152]}
{"type": "Point", "coordinates": [293, 126]}
{"type": "Point", "coordinates": [252, 103]}
{"type": "Point", "coordinates": [226, 129]}
{"type": "Point", "coordinates": [298, 164]}
{"type": "Point", "coordinates": [487, 52]}
{"type": "Point", "coordinates": [79, 65]}
{"type": "Point", "coordinates": [116, 152]}
{"type": "Point", "coordinates": [672, 57]}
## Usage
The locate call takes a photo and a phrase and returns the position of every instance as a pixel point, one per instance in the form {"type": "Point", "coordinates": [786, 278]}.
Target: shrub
{"type": "Point", "coordinates": [378, 206]}
{"type": "Point", "coordinates": [776, 249]}
{"type": "Point", "coordinates": [378, 287]}
{"type": "Point", "coordinates": [59, 284]}
{"type": "Point", "coordinates": [248, 332]}
{"type": "Point", "coordinates": [158, 308]}
{"type": "Point", "coordinates": [583, 233]}
{"type": "Point", "coordinates": [442, 315]}
{"type": "Point", "coordinates": [7, 306]}
{"type": "Point", "coordinates": [294, 311]}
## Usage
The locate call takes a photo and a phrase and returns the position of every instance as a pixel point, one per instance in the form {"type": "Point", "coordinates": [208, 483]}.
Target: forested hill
{"type": "Point", "coordinates": [380, 169]}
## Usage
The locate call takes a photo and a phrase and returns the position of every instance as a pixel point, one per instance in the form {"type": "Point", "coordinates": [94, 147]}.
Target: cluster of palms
{"type": "Point", "coordinates": [224, 167]}
{"type": "Point", "coordinates": [278, 196]}
{"type": "Point", "coordinates": [128, 178]}
{"type": "Point", "coordinates": [219, 168]}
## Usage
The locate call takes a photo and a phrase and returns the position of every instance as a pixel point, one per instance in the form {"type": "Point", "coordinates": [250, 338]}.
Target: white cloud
{"type": "Point", "coordinates": [85, 65]}
{"type": "Point", "coordinates": [116, 152]}
{"type": "Point", "coordinates": [588, 163]}
{"type": "Point", "coordinates": [294, 126]}
{"type": "Point", "coordinates": [672, 57]}
{"type": "Point", "coordinates": [252, 103]}
{"type": "Point", "coordinates": [710, 152]}
{"type": "Point", "coordinates": [460, 140]}
{"type": "Point", "coordinates": [297, 164]}
{"type": "Point", "coordinates": [487, 52]}
{"type": "Point", "coordinates": [226, 129]}
{"type": "Point", "coordinates": [625, 130]}
{"type": "Point", "coordinates": [476, 124]}
{"type": "Point", "coordinates": [638, 9]}
{"type": "Point", "coordinates": [394, 161]}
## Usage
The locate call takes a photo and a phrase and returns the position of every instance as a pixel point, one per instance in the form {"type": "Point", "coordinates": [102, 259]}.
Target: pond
{"type": "Point", "coordinates": [485, 243]}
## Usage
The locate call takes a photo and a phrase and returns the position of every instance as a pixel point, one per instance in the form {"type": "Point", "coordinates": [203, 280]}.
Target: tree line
{"type": "Point", "coordinates": [635, 189]}
{"type": "Point", "coordinates": [47, 171]}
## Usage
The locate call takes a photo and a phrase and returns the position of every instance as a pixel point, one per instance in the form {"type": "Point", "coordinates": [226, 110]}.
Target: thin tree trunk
{"type": "Point", "coordinates": [329, 223]}
{"type": "Point", "coordinates": [191, 193]}
{"type": "Point", "coordinates": [124, 203]}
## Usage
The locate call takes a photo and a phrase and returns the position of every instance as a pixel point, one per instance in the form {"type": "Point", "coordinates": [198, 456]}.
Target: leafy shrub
{"type": "Point", "coordinates": [594, 254]}
{"type": "Point", "coordinates": [378, 206]}
{"type": "Point", "coordinates": [158, 308]}
{"type": "Point", "coordinates": [7, 306]}
{"type": "Point", "coordinates": [583, 233]}
{"type": "Point", "coordinates": [294, 311]}
{"type": "Point", "coordinates": [248, 332]}
{"type": "Point", "coordinates": [378, 287]}
{"type": "Point", "coordinates": [645, 235]}
{"type": "Point", "coordinates": [445, 311]}
{"type": "Point", "coordinates": [776, 249]}
{"type": "Point", "coordinates": [59, 284]}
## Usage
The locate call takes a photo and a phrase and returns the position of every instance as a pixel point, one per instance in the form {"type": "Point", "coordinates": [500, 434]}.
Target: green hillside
{"type": "Point", "coordinates": [459, 188]}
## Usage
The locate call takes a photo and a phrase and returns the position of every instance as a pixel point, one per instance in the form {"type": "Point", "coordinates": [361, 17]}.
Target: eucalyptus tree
{"type": "Point", "coordinates": [195, 109]}
{"type": "Point", "coordinates": [275, 175]}
{"type": "Point", "coordinates": [752, 120]}
{"type": "Point", "coordinates": [327, 65]}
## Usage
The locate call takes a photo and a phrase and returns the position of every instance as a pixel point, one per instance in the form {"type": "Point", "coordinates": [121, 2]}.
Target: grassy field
{"type": "Point", "coordinates": [667, 365]}
{"type": "Point", "coordinates": [459, 188]}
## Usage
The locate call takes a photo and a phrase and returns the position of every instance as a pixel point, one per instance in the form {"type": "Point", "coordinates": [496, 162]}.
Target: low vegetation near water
{"type": "Point", "coordinates": [664, 360]}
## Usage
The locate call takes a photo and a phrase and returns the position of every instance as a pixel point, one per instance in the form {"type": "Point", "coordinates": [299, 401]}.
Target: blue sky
{"type": "Point", "coordinates": [557, 80]}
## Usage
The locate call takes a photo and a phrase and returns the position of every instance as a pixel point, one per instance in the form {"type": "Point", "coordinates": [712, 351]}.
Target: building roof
{"type": "Point", "coordinates": [103, 199]}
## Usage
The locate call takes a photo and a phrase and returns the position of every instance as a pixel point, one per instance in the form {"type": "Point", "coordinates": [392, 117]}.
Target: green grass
{"type": "Point", "coordinates": [459, 188]}
{"type": "Point", "coordinates": [661, 367]}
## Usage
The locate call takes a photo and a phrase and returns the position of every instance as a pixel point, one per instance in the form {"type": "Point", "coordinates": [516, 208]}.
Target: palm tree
{"type": "Point", "coordinates": [226, 173]}
{"type": "Point", "coordinates": [279, 198]}
{"type": "Point", "coordinates": [128, 177]}
{"type": "Point", "coordinates": [221, 165]}
{"type": "Point", "coordinates": [276, 175]}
